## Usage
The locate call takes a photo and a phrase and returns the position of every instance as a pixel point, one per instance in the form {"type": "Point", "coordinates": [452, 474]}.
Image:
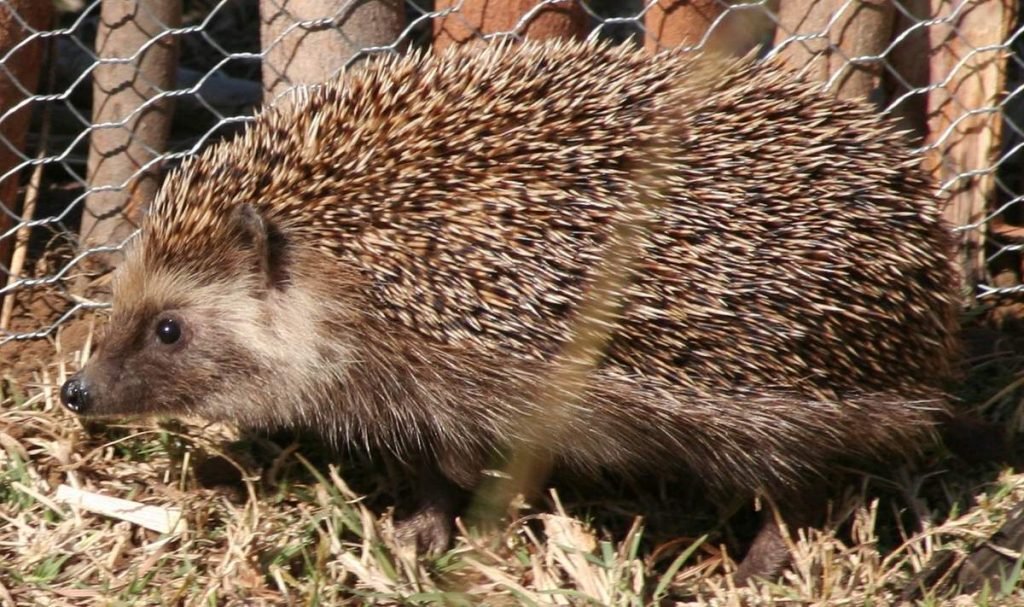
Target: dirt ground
{"type": "Point", "coordinates": [23, 359]}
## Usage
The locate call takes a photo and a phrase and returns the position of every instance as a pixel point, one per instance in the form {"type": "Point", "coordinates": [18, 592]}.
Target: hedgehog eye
{"type": "Point", "coordinates": [168, 331]}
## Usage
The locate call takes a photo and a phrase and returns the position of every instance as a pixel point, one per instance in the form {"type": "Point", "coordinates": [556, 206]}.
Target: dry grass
{"type": "Point", "coordinates": [290, 530]}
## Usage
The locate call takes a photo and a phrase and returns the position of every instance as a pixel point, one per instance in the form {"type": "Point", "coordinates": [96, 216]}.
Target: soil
{"type": "Point", "coordinates": [21, 360]}
{"type": "Point", "coordinates": [51, 249]}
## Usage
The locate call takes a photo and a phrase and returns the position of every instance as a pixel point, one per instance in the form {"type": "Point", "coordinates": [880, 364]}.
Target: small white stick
{"type": "Point", "coordinates": [157, 518]}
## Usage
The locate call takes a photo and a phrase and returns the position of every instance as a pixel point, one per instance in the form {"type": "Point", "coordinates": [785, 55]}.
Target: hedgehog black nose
{"type": "Point", "coordinates": [74, 394]}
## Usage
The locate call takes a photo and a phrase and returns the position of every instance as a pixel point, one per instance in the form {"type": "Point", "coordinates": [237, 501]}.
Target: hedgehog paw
{"type": "Point", "coordinates": [770, 553]}
{"type": "Point", "coordinates": [428, 530]}
{"type": "Point", "coordinates": [767, 557]}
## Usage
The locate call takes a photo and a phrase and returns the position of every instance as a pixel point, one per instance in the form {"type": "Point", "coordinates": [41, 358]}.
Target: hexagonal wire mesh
{"type": "Point", "coordinates": [949, 70]}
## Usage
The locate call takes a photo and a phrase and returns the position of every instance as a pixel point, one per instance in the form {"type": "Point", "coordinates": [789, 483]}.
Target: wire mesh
{"type": "Point", "coordinates": [217, 84]}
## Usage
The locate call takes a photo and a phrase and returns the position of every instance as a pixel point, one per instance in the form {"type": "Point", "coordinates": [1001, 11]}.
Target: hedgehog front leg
{"type": "Point", "coordinates": [429, 528]}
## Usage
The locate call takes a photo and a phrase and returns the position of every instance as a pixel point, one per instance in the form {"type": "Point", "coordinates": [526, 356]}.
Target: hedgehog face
{"type": "Point", "coordinates": [216, 341]}
{"type": "Point", "coordinates": [171, 347]}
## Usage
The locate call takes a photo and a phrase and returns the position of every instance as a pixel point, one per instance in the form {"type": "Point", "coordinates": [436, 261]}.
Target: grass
{"type": "Point", "coordinates": [288, 525]}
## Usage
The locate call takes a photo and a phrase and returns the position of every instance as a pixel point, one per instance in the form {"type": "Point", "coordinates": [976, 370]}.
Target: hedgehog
{"type": "Point", "coordinates": [397, 260]}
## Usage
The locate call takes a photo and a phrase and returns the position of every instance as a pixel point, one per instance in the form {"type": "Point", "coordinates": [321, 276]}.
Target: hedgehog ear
{"type": "Point", "coordinates": [267, 244]}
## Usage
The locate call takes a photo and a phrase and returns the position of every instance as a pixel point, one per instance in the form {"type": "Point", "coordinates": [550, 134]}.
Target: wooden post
{"type": "Point", "coordinates": [863, 29]}
{"type": "Point", "coordinates": [126, 88]}
{"type": "Point", "coordinates": [298, 54]}
{"type": "Point", "coordinates": [672, 23]}
{"type": "Point", "coordinates": [805, 17]}
{"type": "Point", "coordinates": [968, 58]}
{"type": "Point", "coordinates": [841, 30]}
{"type": "Point", "coordinates": [18, 79]}
{"type": "Point", "coordinates": [909, 60]}
{"type": "Point", "coordinates": [475, 18]}
{"type": "Point", "coordinates": [715, 23]}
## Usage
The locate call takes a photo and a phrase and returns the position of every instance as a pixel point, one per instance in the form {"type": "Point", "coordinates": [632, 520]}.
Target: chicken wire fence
{"type": "Point", "coordinates": [79, 160]}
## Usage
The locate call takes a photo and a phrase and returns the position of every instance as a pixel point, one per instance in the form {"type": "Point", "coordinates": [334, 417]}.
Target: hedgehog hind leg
{"type": "Point", "coordinates": [428, 529]}
{"type": "Point", "coordinates": [769, 554]}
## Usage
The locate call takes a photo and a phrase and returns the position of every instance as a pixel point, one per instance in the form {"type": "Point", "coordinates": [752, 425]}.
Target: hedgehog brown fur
{"type": "Point", "coordinates": [395, 259]}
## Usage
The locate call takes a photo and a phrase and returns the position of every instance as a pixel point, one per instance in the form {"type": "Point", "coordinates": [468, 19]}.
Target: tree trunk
{"type": "Point", "coordinates": [841, 30]}
{"type": "Point", "coordinates": [712, 24]}
{"type": "Point", "coordinates": [309, 41]}
{"type": "Point", "coordinates": [19, 77]}
{"type": "Point", "coordinates": [969, 58]}
{"type": "Point", "coordinates": [672, 23]}
{"type": "Point", "coordinates": [909, 61]}
{"type": "Point", "coordinates": [131, 121]}
{"type": "Point", "coordinates": [527, 18]}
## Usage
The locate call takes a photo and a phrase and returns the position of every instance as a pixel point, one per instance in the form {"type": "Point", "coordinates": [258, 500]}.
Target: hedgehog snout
{"type": "Point", "coordinates": [74, 394]}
